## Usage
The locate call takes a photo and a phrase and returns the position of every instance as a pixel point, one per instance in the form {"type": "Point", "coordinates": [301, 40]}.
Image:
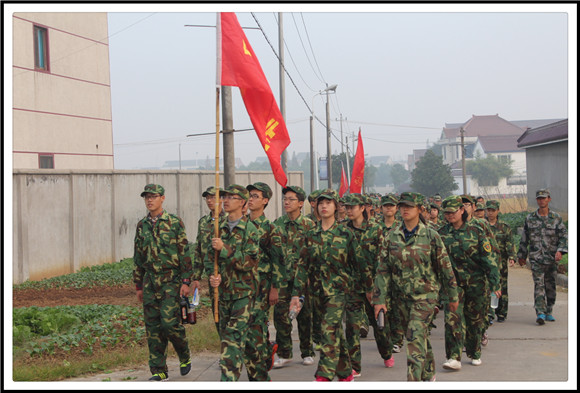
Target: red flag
{"type": "Point", "coordinates": [358, 168]}
{"type": "Point", "coordinates": [240, 67]}
{"type": "Point", "coordinates": [343, 183]}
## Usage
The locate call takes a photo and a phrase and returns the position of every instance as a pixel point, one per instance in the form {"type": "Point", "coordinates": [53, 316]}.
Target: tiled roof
{"type": "Point", "coordinates": [483, 126]}
{"type": "Point", "coordinates": [499, 143]}
{"type": "Point", "coordinates": [550, 133]}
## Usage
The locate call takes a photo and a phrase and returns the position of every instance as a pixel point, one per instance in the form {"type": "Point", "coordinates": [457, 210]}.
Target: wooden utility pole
{"type": "Point", "coordinates": [462, 132]}
{"type": "Point", "coordinates": [228, 127]}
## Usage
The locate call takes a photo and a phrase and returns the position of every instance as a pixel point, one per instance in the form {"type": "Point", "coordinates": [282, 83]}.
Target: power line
{"type": "Point", "coordinates": [309, 43]}
{"type": "Point", "coordinates": [304, 48]}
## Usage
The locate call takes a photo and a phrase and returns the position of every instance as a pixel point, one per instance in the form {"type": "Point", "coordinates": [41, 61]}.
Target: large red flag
{"type": "Point", "coordinates": [358, 168]}
{"type": "Point", "coordinates": [240, 67]}
{"type": "Point", "coordinates": [343, 183]}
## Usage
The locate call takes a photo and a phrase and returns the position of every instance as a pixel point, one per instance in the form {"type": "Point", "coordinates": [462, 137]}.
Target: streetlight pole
{"type": "Point", "coordinates": [462, 132]}
{"type": "Point", "coordinates": [328, 149]}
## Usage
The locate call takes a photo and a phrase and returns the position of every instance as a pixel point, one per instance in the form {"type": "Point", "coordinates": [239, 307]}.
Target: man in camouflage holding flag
{"type": "Point", "coordinates": [162, 275]}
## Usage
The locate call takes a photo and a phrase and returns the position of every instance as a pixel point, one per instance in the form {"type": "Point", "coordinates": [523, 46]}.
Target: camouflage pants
{"type": "Point", "coordinates": [544, 276]}
{"type": "Point", "coordinates": [358, 312]}
{"type": "Point", "coordinates": [211, 296]}
{"type": "Point", "coordinates": [416, 316]}
{"type": "Point", "coordinates": [163, 324]}
{"type": "Point", "coordinates": [334, 358]}
{"type": "Point", "coordinates": [234, 326]}
{"type": "Point", "coordinates": [465, 326]}
{"type": "Point", "coordinates": [396, 332]}
{"type": "Point", "coordinates": [283, 324]}
{"type": "Point", "coordinates": [502, 308]}
{"type": "Point", "coordinates": [258, 348]}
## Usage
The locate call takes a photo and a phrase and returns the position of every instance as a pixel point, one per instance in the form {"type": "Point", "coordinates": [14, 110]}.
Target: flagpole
{"type": "Point", "coordinates": [217, 164]}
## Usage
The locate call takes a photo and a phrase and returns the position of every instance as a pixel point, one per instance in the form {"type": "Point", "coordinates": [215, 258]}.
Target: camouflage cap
{"type": "Point", "coordinates": [437, 198]}
{"type": "Point", "coordinates": [266, 190]}
{"type": "Point", "coordinates": [467, 199]}
{"type": "Point", "coordinates": [543, 193]}
{"type": "Point", "coordinates": [492, 204]}
{"type": "Point", "coordinates": [236, 189]}
{"type": "Point", "coordinates": [328, 194]}
{"type": "Point", "coordinates": [452, 203]}
{"type": "Point", "coordinates": [153, 189]}
{"type": "Point", "coordinates": [299, 192]}
{"type": "Point", "coordinates": [411, 199]}
{"type": "Point", "coordinates": [314, 195]}
{"type": "Point", "coordinates": [210, 191]}
{"type": "Point", "coordinates": [434, 206]}
{"type": "Point", "coordinates": [389, 199]}
{"type": "Point", "coordinates": [354, 199]}
{"type": "Point", "coordinates": [479, 206]}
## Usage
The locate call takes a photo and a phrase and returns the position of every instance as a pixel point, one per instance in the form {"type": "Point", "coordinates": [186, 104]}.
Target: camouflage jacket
{"type": "Point", "coordinates": [238, 259]}
{"type": "Point", "coordinates": [161, 251]}
{"type": "Point", "coordinates": [290, 236]}
{"type": "Point", "coordinates": [369, 237]}
{"type": "Point", "coordinates": [471, 254]}
{"type": "Point", "coordinates": [330, 260]}
{"type": "Point", "coordinates": [269, 258]}
{"type": "Point", "coordinates": [203, 254]}
{"type": "Point", "coordinates": [490, 234]}
{"type": "Point", "coordinates": [543, 236]}
{"type": "Point", "coordinates": [505, 240]}
{"type": "Point", "coordinates": [415, 269]}
{"type": "Point", "coordinates": [396, 223]}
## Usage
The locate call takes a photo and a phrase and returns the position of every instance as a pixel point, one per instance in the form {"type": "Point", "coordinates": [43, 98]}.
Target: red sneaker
{"type": "Point", "coordinates": [350, 378]}
{"type": "Point", "coordinates": [390, 362]}
{"type": "Point", "coordinates": [270, 362]}
{"type": "Point", "coordinates": [321, 379]}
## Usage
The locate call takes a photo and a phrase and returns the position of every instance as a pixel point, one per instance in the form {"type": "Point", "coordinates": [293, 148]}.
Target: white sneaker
{"type": "Point", "coordinates": [281, 362]}
{"type": "Point", "coordinates": [396, 348]}
{"type": "Point", "coordinates": [476, 362]}
{"type": "Point", "coordinates": [452, 364]}
{"type": "Point", "coordinates": [307, 361]}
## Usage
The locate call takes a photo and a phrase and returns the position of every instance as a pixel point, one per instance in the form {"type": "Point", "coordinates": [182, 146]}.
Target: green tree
{"type": "Point", "coordinates": [399, 175]}
{"type": "Point", "coordinates": [489, 170]}
{"type": "Point", "coordinates": [431, 176]}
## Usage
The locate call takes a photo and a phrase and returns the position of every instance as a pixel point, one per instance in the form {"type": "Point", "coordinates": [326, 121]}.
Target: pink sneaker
{"type": "Point", "coordinates": [321, 379]}
{"type": "Point", "coordinates": [390, 362]}
{"type": "Point", "coordinates": [350, 378]}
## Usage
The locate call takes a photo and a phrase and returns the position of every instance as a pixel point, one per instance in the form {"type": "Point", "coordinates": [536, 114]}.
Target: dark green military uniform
{"type": "Point", "coordinates": [471, 256]}
{"type": "Point", "coordinates": [162, 262]}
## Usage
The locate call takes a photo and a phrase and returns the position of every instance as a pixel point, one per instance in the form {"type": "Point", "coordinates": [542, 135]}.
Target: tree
{"type": "Point", "coordinates": [431, 176]}
{"type": "Point", "coordinates": [399, 175]}
{"type": "Point", "coordinates": [489, 170]}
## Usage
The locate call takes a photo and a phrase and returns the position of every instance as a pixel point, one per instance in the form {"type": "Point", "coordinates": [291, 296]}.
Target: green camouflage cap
{"type": "Point", "coordinates": [328, 194]}
{"type": "Point", "coordinates": [479, 206]}
{"type": "Point", "coordinates": [389, 199]}
{"type": "Point", "coordinates": [314, 195]}
{"type": "Point", "coordinates": [467, 198]}
{"type": "Point", "coordinates": [354, 199]}
{"type": "Point", "coordinates": [210, 191]}
{"type": "Point", "coordinates": [435, 206]}
{"type": "Point", "coordinates": [236, 189]}
{"type": "Point", "coordinates": [452, 203]}
{"type": "Point", "coordinates": [153, 189]}
{"type": "Point", "coordinates": [266, 190]}
{"type": "Point", "coordinates": [492, 204]}
{"type": "Point", "coordinates": [299, 192]}
{"type": "Point", "coordinates": [543, 193]}
{"type": "Point", "coordinates": [437, 198]}
{"type": "Point", "coordinates": [411, 199]}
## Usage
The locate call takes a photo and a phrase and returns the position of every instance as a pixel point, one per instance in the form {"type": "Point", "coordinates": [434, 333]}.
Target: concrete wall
{"type": "Point", "coordinates": [547, 167]}
{"type": "Point", "coordinates": [65, 220]}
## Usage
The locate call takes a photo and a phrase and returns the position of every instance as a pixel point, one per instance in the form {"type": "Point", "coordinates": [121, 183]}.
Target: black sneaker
{"type": "Point", "coordinates": [364, 331]}
{"type": "Point", "coordinates": [159, 377]}
{"type": "Point", "coordinates": [185, 368]}
{"type": "Point", "coordinates": [500, 318]}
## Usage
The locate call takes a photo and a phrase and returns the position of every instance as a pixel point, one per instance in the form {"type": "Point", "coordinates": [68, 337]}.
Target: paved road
{"type": "Point", "coordinates": [519, 353]}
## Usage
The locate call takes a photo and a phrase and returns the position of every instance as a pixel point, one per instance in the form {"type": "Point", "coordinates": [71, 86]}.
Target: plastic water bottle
{"type": "Point", "coordinates": [193, 303]}
{"type": "Point", "coordinates": [183, 304]}
{"type": "Point", "coordinates": [381, 320]}
{"type": "Point", "coordinates": [292, 314]}
{"type": "Point", "coordinates": [494, 300]}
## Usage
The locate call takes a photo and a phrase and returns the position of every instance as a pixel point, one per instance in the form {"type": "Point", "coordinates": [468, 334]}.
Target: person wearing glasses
{"type": "Point", "coordinates": [162, 275]}
{"type": "Point", "coordinates": [238, 247]}
{"type": "Point", "coordinates": [291, 231]}
{"type": "Point", "coordinates": [476, 271]}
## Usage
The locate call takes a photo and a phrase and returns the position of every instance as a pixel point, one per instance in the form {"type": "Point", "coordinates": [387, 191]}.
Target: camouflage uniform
{"type": "Point", "coordinates": [413, 269]}
{"type": "Point", "coordinates": [329, 261]}
{"type": "Point", "coordinates": [471, 256]}
{"type": "Point", "coordinates": [162, 262]}
{"type": "Point", "coordinates": [291, 236]}
{"type": "Point", "coordinates": [507, 250]}
{"type": "Point", "coordinates": [358, 309]}
{"type": "Point", "coordinates": [543, 236]}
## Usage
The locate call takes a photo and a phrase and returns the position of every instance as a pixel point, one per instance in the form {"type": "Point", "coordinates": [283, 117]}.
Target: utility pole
{"type": "Point", "coordinates": [228, 143]}
{"type": "Point", "coordinates": [313, 174]}
{"type": "Point", "coordinates": [284, 161]}
{"type": "Point", "coordinates": [462, 132]}
{"type": "Point", "coordinates": [328, 150]}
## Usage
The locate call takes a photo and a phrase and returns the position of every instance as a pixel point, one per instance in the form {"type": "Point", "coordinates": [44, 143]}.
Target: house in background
{"type": "Point", "coordinates": [61, 91]}
{"type": "Point", "coordinates": [546, 150]}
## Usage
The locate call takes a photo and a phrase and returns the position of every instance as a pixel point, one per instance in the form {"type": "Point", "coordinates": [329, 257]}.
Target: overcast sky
{"type": "Point", "coordinates": [401, 75]}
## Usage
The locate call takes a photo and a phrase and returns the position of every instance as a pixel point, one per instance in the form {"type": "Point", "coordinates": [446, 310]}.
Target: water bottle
{"type": "Point", "coordinates": [292, 314]}
{"type": "Point", "coordinates": [191, 313]}
{"type": "Point", "coordinates": [381, 320]}
{"type": "Point", "coordinates": [494, 300]}
{"type": "Point", "coordinates": [183, 304]}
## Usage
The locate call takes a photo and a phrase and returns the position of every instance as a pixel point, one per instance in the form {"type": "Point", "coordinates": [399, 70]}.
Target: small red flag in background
{"type": "Point", "coordinates": [343, 183]}
{"type": "Point", "coordinates": [358, 168]}
{"type": "Point", "coordinates": [240, 67]}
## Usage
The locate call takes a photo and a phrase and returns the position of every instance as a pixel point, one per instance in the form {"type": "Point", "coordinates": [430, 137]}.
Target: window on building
{"type": "Point", "coordinates": [46, 161]}
{"type": "Point", "coordinates": [506, 158]}
{"type": "Point", "coordinates": [516, 180]}
{"type": "Point", "coordinates": [40, 48]}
